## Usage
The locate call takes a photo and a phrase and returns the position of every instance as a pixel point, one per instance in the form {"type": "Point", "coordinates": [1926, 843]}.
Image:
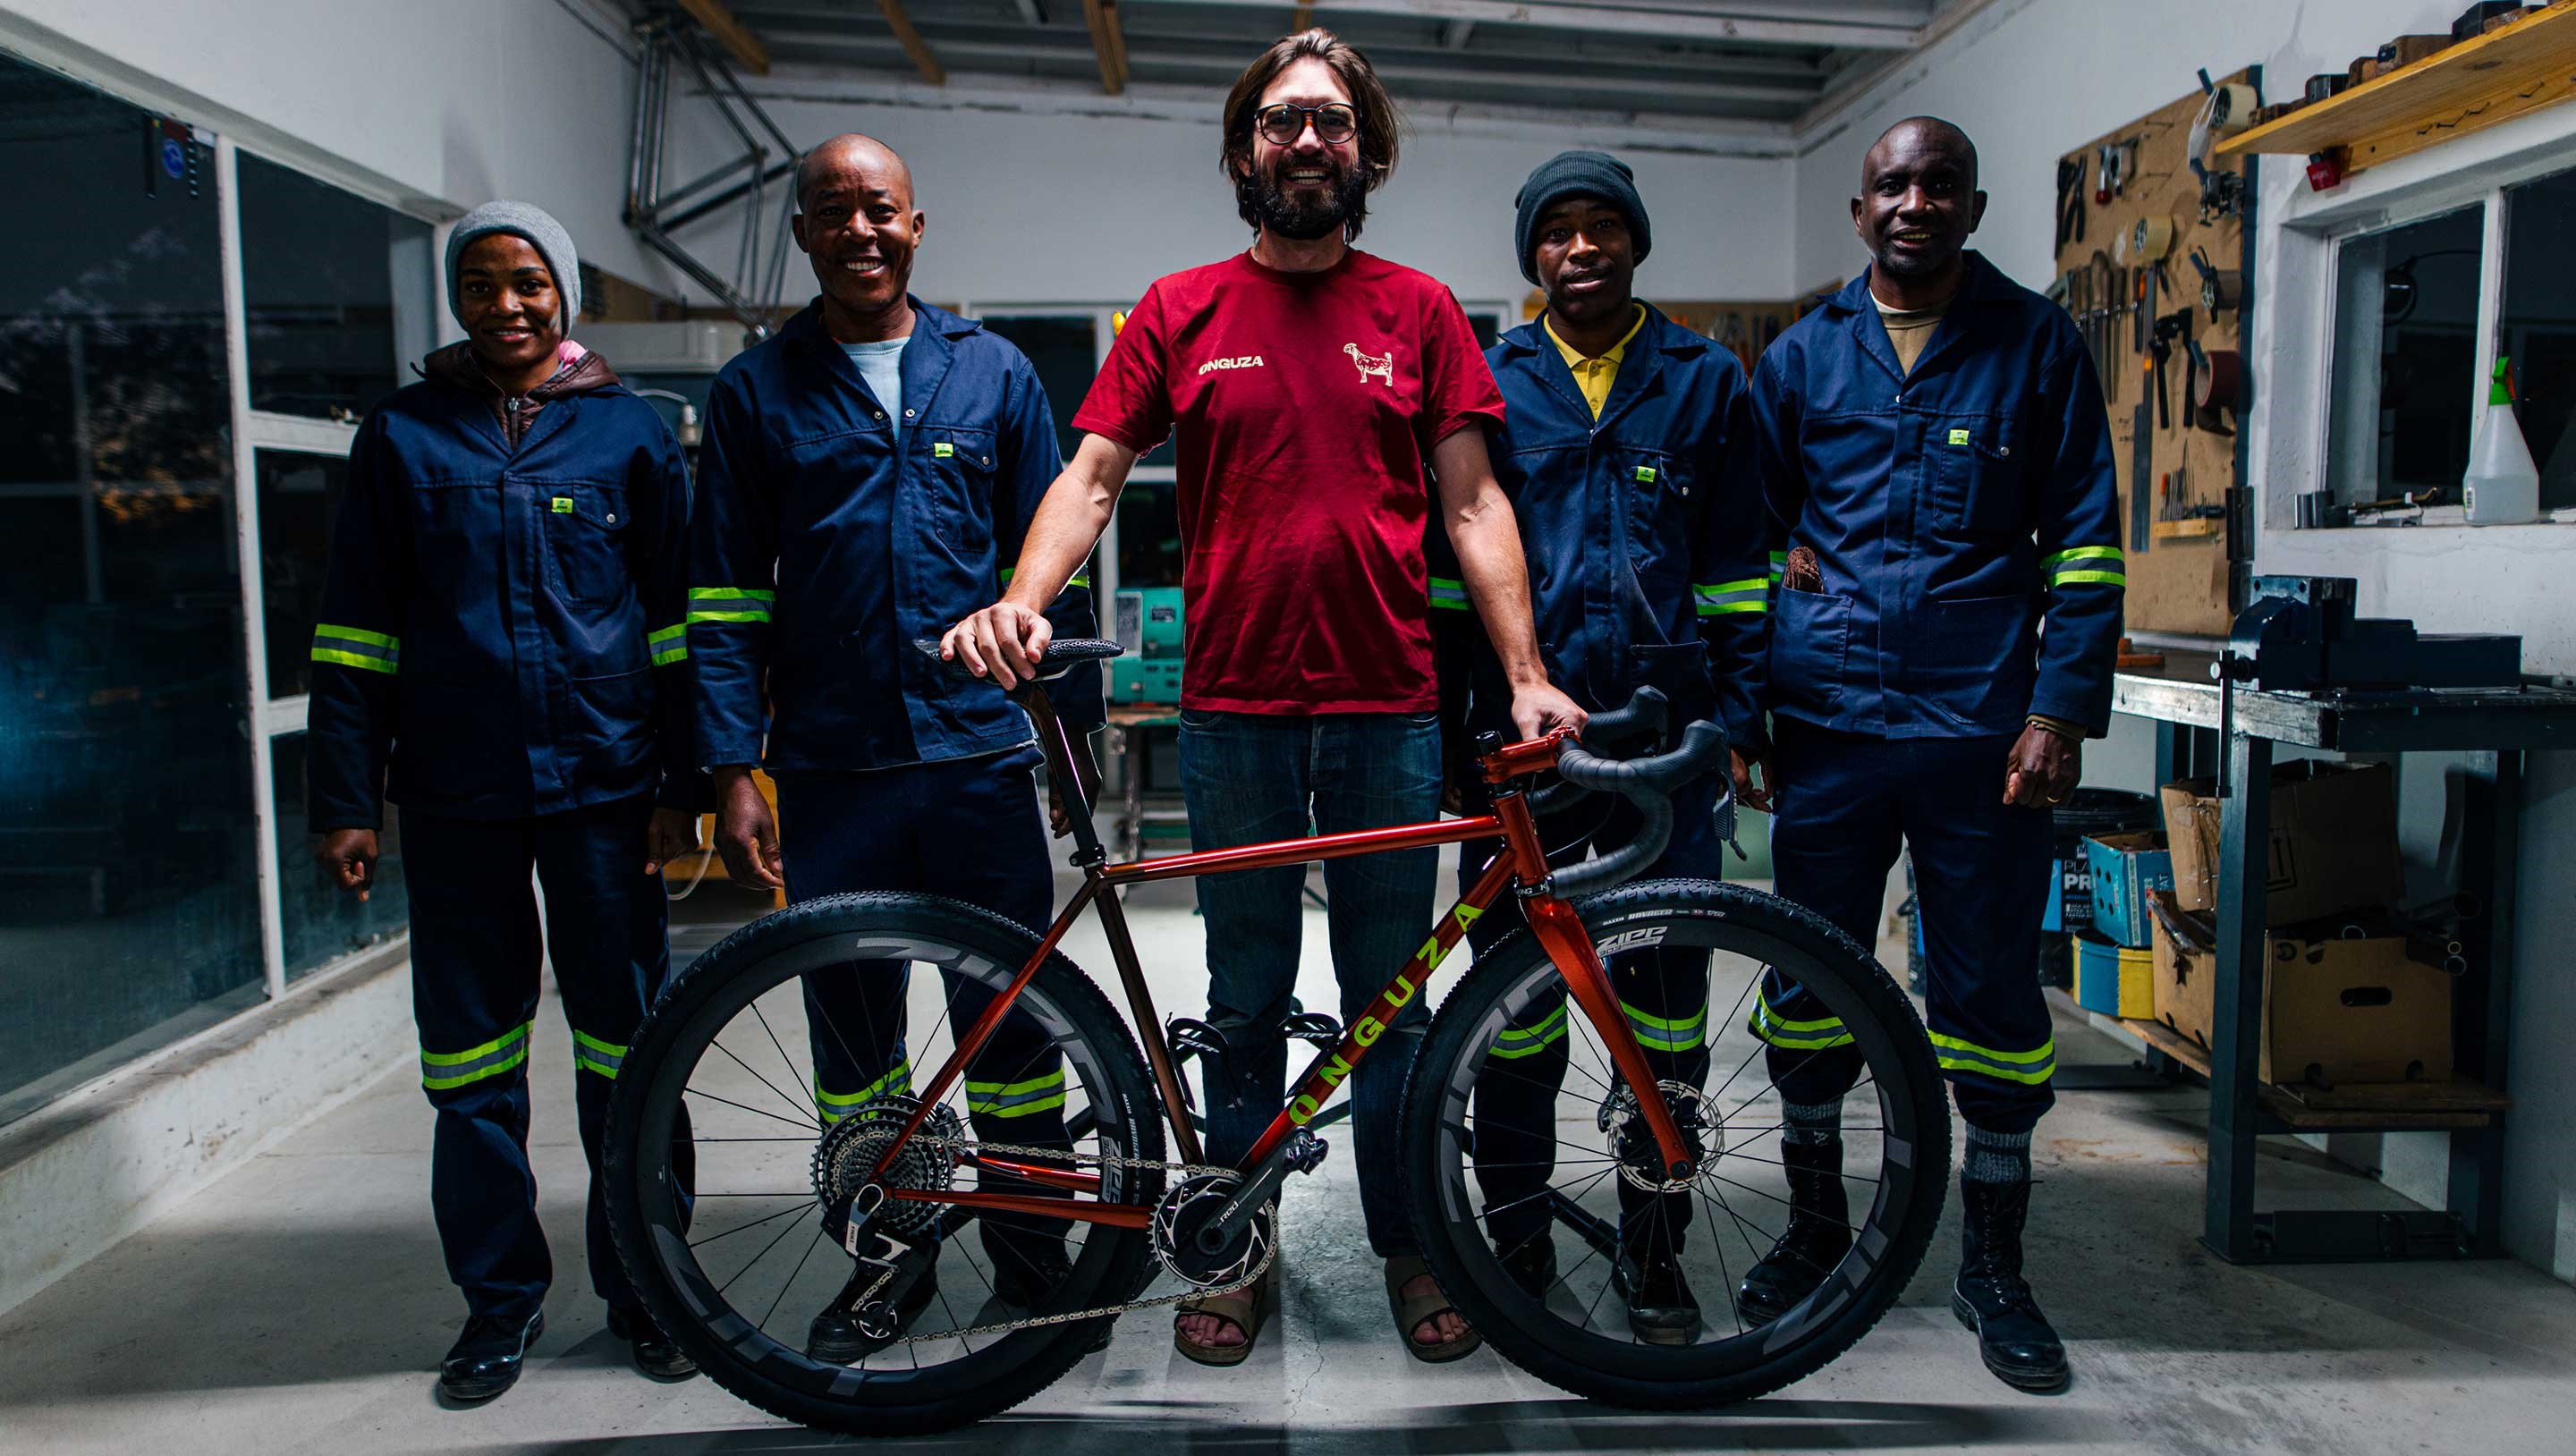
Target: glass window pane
{"type": "Point", "coordinates": [321, 921]}
{"type": "Point", "coordinates": [2405, 360]}
{"type": "Point", "coordinates": [299, 498]}
{"type": "Point", "coordinates": [2539, 333]}
{"type": "Point", "coordinates": [128, 899]}
{"type": "Point", "coordinates": [339, 294]}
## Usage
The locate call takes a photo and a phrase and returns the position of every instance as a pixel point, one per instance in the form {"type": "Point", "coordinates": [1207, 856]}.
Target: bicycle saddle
{"type": "Point", "coordinates": [1062, 655]}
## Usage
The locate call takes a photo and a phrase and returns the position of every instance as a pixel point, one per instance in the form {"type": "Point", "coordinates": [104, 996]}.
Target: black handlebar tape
{"type": "Point", "coordinates": [1649, 784]}
{"type": "Point", "coordinates": [1643, 716]}
{"type": "Point", "coordinates": [1062, 655]}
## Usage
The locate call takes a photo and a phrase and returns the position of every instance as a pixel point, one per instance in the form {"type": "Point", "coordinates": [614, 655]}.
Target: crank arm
{"type": "Point", "coordinates": [1300, 1152]}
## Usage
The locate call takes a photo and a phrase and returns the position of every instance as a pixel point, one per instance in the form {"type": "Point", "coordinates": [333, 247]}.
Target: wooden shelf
{"type": "Point", "coordinates": [2473, 85]}
{"type": "Point", "coordinates": [2376, 1106]}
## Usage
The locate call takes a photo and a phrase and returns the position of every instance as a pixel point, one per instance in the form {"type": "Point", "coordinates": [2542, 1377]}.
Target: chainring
{"type": "Point", "coordinates": [1186, 1209]}
{"type": "Point", "coordinates": [846, 1157]}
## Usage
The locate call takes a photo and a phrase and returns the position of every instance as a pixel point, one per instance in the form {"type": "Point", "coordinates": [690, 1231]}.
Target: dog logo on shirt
{"type": "Point", "coordinates": [1381, 365]}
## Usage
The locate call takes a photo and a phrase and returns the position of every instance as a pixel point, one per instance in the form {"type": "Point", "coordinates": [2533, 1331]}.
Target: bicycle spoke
{"type": "Point", "coordinates": [764, 1081]}
{"type": "Point", "coordinates": [756, 1258]}
{"type": "Point", "coordinates": [784, 1059]}
{"type": "Point", "coordinates": [729, 1102]}
{"type": "Point", "coordinates": [813, 1244]}
{"type": "Point", "coordinates": [755, 1223]}
{"type": "Point", "coordinates": [1775, 1198]}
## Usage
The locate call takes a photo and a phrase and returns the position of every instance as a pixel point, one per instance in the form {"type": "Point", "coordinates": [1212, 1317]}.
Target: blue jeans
{"type": "Point", "coordinates": [1251, 778]}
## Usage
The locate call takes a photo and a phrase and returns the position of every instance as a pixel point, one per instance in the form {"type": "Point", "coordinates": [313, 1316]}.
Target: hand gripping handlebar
{"type": "Point", "coordinates": [1647, 782]}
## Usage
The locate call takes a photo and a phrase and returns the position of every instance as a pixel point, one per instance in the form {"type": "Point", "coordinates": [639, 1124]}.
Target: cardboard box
{"type": "Point", "coordinates": [2333, 844]}
{"type": "Point", "coordinates": [2125, 867]}
{"type": "Point", "coordinates": [2334, 1011]}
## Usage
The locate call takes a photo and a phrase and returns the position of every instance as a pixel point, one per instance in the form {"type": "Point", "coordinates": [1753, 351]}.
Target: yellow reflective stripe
{"type": "Point", "coordinates": [1780, 1031]}
{"type": "Point", "coordinates": [590, 1054]}
{"type": "Point", "coordinates": [2106, 578]}
{"type": "Point", "coordinates": [754, 616]}
{"type": "Point", "coordinates": [1016, 1089]}
{"type": "Point", "coordinates": [1015, 1109]}
{"type": "Point", "coordinates": [1665, 1034]}
{"type": "Point", "coordinates": [837, 1105]}
{"type": "Point", "coordinates": [2029, 1068]}
{"type": "Point", "coordinates": [2046, 1051]}
{"type": "Point", "coordinates": [1448, 594]}
{"type": "Point", "coordinates": [672, 633]}
{"type": "Point", "coordinates": [1515, 1044]}
{"type": "Point", "coordinates": [730, 594]}
{"type": "Point", "coordinates": [1017, 1099]}
{"type": "Point", "coordinates": [441, 1071]}
{"type": "Point", "coordinates": [1081, 579]}
{"type": "Point", "coordinates": [677, 652]}
{"type": "Point", "coordinates": [351, 659]}
{"type": "Point", "coordinates": [2082, 553]}
{"type": "Point", "coordinates": [357, 634]}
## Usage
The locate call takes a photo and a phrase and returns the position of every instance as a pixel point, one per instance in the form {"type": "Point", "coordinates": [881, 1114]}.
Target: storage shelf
{"type": "Point", "coordinates": [2470, 86]}
{"type": "Point", "coordinates": [2353, 1107]}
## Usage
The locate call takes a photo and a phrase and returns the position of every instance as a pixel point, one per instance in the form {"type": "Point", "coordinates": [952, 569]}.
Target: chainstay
{"type": "Point", "coordinates": [1104, 1160]}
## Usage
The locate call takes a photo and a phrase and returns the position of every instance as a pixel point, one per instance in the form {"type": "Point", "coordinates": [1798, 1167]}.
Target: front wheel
{"type": "Point", "coordinates": [1540, 1206]}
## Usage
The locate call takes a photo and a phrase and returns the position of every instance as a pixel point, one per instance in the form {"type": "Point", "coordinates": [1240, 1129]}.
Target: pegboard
{"type": "Point", "coordinates": [2173, 526]}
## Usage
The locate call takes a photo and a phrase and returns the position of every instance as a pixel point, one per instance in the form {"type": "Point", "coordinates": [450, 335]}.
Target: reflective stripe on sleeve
{"type": "Point", "coordinates": [1749, 595]}
{"type": "Point", "coordinates": [356, 647]}
{"type": "Point", "coordinates": [669, 645]}
{"type": "Point", "coordinates": [729, 604]}
{"type": "Point", "coordinates": [2030, 1068]}
{"type": "Point", "coordinates": [440, 1071]}
{"type": "Point", "coordinates": [2101, 565]}
{"type": "Point", "coordinates": [1081, 579]}
{"type": "Point", "coordinates": [1448, 594]}
{"type": "Point", "coordinates": [1016, 1099]}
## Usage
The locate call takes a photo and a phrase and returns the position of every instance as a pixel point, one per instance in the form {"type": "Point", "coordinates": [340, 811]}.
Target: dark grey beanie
{"type": "Point", "coordinates": [543, 234]}
{"type": "Point", "coordinates": [1578, 174]}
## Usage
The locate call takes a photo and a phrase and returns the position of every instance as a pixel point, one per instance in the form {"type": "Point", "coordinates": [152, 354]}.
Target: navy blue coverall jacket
{"type": "Point", "coordinates": [501, 629]}
{"type": "Point", "coordinates": [1643, 530]}
{"type": "Point", "coordinates": [1953, 511]}
{"type": "Point", "coordinates": [824, 548]}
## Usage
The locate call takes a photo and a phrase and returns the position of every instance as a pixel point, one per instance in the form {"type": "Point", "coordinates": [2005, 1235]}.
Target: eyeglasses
{"type": "Point", "coordinates": [1282, 124]}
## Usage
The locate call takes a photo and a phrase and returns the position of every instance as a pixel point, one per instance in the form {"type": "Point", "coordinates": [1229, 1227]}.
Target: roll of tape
{"type": "Point", "coordinates": [2215, 386]}
{"type": "Point", "coordinates": [2234, 111]}
{"type": "Point", "coordinates": [2149, 241]}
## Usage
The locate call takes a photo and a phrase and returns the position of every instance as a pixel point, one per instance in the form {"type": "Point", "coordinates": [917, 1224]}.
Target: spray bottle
{"type": "Point", "coordinates": [2501, 486]}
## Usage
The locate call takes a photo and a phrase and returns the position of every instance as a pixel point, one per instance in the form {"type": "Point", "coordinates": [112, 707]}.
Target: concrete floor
{"type": "Point", "coordinates": [300, 1305]}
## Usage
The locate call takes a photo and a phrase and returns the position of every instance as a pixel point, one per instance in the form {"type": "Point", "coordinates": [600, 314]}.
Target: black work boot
{"type": "Point", "coordinates": [835, 1337]}
{"type": "Point", "coordinates": [1661, 1308]}
{"type": "Point", "coordinates": [486, 1357]}
{"type": "Point", "coordinates": [1818, 1235]}
{"type": "Point", "coordinates": [655, 1355]}
{"type": "Point", "coordinates": [1993, 1299]}
{"type": "Point", "coordinates": [1530, 1261]}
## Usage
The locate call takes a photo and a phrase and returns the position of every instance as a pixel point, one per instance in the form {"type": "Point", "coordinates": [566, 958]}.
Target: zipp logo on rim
{"type": "Point", "coordinates": [1239, 361]}
{"type": "Point", "coordinates": [1628, 940]}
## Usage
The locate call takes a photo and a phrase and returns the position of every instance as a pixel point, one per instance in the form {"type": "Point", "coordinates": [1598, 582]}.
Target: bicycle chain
{"type": "Point", "coordinates": [1104, 1160]}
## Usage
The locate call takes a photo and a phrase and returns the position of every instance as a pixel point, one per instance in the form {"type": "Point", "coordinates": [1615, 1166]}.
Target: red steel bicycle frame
{"type": "Point", "coordinates": [1558, 929]}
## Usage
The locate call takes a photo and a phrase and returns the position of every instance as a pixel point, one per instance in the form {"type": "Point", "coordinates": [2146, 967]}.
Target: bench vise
{"type": "Point", "coordinates": [2299, 634]}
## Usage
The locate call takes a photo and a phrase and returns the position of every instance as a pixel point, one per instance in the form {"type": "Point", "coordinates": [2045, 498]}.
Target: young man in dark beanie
{"type": "Point", "coordinates": [502, 657]}
{"type": "Point", "coordinates": [1938, 468]}
{"type": "Point", "coordinates": [1311, 388]}
{"type": "Point", "coordinates": [1613, 412]}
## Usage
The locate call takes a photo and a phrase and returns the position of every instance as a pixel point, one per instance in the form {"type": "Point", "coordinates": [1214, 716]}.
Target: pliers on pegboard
{"type": "Point", "coordinates": [2070, 200]}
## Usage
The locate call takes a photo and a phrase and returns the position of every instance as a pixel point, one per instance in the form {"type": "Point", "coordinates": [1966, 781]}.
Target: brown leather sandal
{"type": "Point", "coordinates": [1412, 1310]}
{"type": "Point", "coordinates": [1245, 1309]}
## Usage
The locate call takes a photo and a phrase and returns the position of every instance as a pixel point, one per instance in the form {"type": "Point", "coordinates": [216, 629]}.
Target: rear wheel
{"type": "Point", "coordinates": [736, 1256]}
{"type": "Point", "coordinates": [1503, 1068]}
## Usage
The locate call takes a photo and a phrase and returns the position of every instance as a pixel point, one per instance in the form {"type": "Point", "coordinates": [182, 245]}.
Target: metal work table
{"type": "Point", "coordinates": [2495, 727]}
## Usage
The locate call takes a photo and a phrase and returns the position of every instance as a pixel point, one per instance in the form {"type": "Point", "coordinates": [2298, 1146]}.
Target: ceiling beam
{"type": "Point", "coordinates": [1751, 24]}
{"type": "Point", "coordinates": [1453, 36]}
{"type": "Point", "coordinates": [1303, 19]}
{"type": "Point", "coordinates": [1030, 11]}
{"type": "Point", "coordinates": [730, 33]}
{"type": "Point", "coordinates": [913, 45]}
{"type": "Point", "coordinates": [1107, 46]}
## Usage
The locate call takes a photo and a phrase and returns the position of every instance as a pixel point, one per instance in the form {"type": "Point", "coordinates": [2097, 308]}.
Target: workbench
{"type": "Point", "coordinates": [2495, 727]}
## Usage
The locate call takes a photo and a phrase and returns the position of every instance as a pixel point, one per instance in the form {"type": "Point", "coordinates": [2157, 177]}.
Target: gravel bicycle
{"type": "Point", "coordinates": [1629, 1131]}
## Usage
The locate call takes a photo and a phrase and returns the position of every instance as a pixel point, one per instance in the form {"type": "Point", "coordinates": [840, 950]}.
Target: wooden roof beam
{"type": "Point", "coordinates": [913, 45]}
{"type": "Point", "coordinates": [1108, 44]}
{"type": "Point", "coordinates": [732, 34]}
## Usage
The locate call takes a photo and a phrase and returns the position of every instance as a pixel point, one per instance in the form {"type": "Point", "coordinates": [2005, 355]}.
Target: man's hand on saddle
{"type": "Point", "coordinates": [1003, 642]}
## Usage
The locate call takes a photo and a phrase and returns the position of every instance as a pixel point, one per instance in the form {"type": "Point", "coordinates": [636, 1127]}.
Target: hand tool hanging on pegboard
{"type": "Point", "coordinates": [2227, 110]}
{"type": "Point", "coordinates": [2217, 290]}
{"type": "Point", "coordinates": [2070, 200]}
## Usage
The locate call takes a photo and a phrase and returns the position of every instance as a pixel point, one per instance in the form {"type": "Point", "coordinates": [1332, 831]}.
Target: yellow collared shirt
{"type": "Point", "coordinates": [1595, 376]}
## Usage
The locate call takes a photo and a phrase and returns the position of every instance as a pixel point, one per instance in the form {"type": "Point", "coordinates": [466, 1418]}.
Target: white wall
{"type": "Point", "coordinates": [1089, 209]}
{"type": "Point", "coordinates": [2029, 79]}
{"type": "Point", "coordinates": [441, 106]}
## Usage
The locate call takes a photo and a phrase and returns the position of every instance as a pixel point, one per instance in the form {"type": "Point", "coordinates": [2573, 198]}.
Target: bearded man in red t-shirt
{"type": "Point", "coordinates": [1314, 392]}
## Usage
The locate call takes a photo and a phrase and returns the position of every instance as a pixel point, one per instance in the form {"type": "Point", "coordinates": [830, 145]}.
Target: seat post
{"type": "Point", "coordinates": [1069, 769]}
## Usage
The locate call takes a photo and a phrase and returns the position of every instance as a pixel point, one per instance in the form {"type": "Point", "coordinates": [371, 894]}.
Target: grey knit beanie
{"type": "Point", "coordinates": [543, 234]}
{"type": "Point", "coordinates": [1578, 174]}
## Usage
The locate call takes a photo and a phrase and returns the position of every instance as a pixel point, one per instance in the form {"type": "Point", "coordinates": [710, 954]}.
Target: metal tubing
{"type": "Point", "coordinates": [709, 178]}
{"type": "Point", "coordinates": [1077, 1179]}
{"type": "Point", "coordinates": [2245, 831]}
{"type": "Point", "coordinates": [1149, 1025]}
{"type": "Point", "coordinates": [724, 198]}
{"type": "Point", "coordinates": [2482, 1023]}
{"type": "Point", "coordinates": [1115, 1215]}
{"type": "Point", "coordinates": [1304, 851]}
{"type": "Point", "coordinates": [1568, 944]}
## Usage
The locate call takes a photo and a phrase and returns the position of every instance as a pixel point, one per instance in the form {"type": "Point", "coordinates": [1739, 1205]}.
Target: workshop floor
{"type": "Point", "coordinates": [299, 1306]}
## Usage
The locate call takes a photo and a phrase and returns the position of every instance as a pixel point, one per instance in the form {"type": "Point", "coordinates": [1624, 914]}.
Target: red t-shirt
{"type": "Point", "coordinates": [1305, 405]}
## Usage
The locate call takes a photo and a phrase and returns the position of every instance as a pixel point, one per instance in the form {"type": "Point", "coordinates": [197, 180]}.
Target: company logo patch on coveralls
{"type": "Point", "coordinates": [562, 505]}
{"type": "Point", "coordinates": [1958, 437]}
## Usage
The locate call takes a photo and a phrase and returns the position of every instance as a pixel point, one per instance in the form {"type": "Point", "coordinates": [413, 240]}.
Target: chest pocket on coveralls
{"type": "Point", "coordinates": [585, 528]}
{"type": "Point", "coordinates": [962, 465]}
{"type": "Point", "coordinates": [1976, 475]}
{"type": "Point", "coordinates": [1660, 489]}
